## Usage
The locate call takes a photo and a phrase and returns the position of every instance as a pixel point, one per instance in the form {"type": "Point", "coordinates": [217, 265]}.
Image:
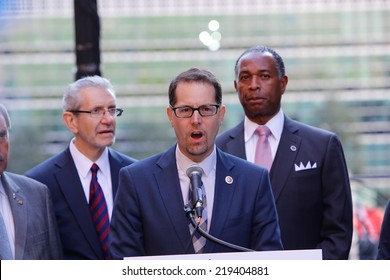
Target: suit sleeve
{"type": "Point", "coordinates": [337, 203]}
{"type": "Point", "coordinates": [384, 239]}
{"type": "Point", "coordinates": [54, 237]}
{"type": "Point", "coordinates": [126, 235]}
{"type": "Point", "coordinates": [266, 231]}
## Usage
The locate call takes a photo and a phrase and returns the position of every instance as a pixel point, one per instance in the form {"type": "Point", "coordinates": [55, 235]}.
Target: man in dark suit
{"type": "Point", "coordinates": [149, 217]}
{"type": "Point", "coordinates": [309, 177]}
{"type": "Point", "coordinates": [384, 238]}
{"type": "Point", "coordinates": [90, 113]}
{"type": "Point", "coordinates": [28, 229]}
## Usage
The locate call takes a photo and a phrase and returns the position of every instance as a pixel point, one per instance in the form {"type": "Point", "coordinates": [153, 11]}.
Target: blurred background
{"type": "Point", "coordinates": [337, 57]}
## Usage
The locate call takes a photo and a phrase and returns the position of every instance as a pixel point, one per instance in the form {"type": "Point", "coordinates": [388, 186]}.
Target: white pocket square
{"type": "Point", "coordinates": [301, 166]}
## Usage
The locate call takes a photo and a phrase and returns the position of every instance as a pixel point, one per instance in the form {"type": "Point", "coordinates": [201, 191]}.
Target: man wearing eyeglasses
{"type": "Point", "coordinates": [149, 216]}
{"type": "Point", "coordinates": [86, 173]}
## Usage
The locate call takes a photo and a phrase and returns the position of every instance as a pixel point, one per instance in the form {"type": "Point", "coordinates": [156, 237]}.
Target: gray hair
{"type": "Point", "coordinates": [4, 113]}
{"type": "Point", "coordinates": [71, 100]}
{"type": "Point", "coordinates": [263, 49]}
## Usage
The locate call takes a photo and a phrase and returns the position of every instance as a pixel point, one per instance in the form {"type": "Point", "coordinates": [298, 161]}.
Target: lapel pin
{"type": "Point", "coordinates": [229, 180]}
{"type": "Point", "coordinates": [20, 202]}
{"type": "Point", "coordinates": [293, 148]}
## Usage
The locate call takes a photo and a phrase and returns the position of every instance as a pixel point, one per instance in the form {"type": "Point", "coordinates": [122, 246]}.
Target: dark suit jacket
{"type": "Point", "coordinates": [384, 239]}
{"type": "Point", "coordinates": [77, 231]}
{"type": "Point", "coordinates": [149, 218]}
{"type": "Point", "coordinates": [314, 205]}
{"type": "Point", "coordinates": [36, 233]}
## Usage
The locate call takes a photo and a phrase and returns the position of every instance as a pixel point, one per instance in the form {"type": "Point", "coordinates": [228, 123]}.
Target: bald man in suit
{"type": "Point", "coordinates": [309, 175]}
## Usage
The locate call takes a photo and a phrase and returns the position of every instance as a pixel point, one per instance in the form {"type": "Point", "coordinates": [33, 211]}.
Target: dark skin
{"type": "Point", "coordinates": [259, 87]}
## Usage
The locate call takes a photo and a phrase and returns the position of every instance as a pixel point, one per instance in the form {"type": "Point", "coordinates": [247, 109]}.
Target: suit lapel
{"type": "Point", "coordinates": [223, 197]}
{"type": "Point", "coordinates": [19, 210]}
{"type": "Point", "coordinates": [115, 166]}
{"type": "Point", "coordinates": [237, 144]}
{"type": "Point", "coordinates": [168, 182]}
{"type": "Point", "coordinates": [285, 156]}
{"type": "Point", "coordinates": [70, 185]}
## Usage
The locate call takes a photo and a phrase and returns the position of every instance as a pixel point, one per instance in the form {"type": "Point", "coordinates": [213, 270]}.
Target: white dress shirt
{"type": "Point", "coordinates": [250, 137]}
{"type": "Point", "coordinates": [83, 166]}
{"type": "Point", "coordinates": [209, 166]}
{"type": "Point", "coordinates": [6, 212]}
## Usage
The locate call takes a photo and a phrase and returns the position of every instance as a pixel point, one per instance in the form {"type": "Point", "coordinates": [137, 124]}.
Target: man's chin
{"type": "Point", "coordinates": [104, 144]}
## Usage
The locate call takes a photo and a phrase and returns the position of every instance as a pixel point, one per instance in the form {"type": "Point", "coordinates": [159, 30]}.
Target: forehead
{"type": "Point", "coordinates": [195, 92]}
{"type": "Point", "coordinates": [264, 61]}
{"type": "Point", "coordinates": [96, 95]}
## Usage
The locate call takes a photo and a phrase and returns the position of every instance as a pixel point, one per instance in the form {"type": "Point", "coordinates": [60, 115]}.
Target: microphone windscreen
{"type": "Point", "coordinates": [194, 169]}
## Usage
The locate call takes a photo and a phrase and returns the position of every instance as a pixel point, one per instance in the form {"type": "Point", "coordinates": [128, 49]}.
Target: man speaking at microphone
{"type": "Point", "coordinates": [237, 205]}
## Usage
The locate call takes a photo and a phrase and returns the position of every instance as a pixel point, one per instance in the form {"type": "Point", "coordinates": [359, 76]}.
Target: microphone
{"type": "Point", "coordinates": [194, 172]}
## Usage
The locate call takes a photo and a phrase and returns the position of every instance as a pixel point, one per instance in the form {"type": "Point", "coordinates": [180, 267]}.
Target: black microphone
{"type": "Point", "coordinates": [195, 173]}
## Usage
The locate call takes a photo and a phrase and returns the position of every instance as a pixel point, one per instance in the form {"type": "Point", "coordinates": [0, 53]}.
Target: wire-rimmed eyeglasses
{"type": "Point", "coordinates": [99, 112]}
{"type": "Point", "coordinates": [204, 110]}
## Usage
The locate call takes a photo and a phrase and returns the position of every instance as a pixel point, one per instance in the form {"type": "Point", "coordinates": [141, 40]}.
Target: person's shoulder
{"type": "Point", "coordinates": [307, 129]}
{"type": "Point", "coordinates": [123, 157]}
{"type": "Point", "coordinates": [44, 166]}
{"type": "Point", "coordinates": [145, 162]}
{"type": "Point", "coordinates": [229, 133]}
{"type": "Point", "coordinates": [25, 182]}
{"type": "Point", "coordinates": [246, 165]}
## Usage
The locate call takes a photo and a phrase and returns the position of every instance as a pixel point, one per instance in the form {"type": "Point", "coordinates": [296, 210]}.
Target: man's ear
{"type": "Point", "coordinates": [284, 82]}
{"type": "Point", "coordinates": [170, 115]}
{"type": "Point", "coordinates": [70, 121]}
{"type": "Point", "coordinates": [222, 114]}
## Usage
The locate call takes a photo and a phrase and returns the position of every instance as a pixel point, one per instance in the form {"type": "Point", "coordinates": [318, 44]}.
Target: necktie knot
{"type": "Point", "coordinates": [94, 168]}
{"type": "Point", "coordinates": [263, 130]}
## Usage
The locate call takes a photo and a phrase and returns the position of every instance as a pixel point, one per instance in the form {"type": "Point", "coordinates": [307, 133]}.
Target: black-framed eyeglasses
{"type": "Point", "coordinates": [99, 112]}
{"type": "Point", "coordinates": [204, 110]}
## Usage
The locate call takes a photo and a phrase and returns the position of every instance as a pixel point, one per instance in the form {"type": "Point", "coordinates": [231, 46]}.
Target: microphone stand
{"type": "Point", "coordinates": [190, 215]}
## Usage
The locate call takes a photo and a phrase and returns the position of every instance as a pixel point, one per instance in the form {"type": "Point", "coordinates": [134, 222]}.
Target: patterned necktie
{"type": "Point", "coordinates": [198, 240]}
{"type": "Point", "coordinates": [263, 155]}
{"type": "Point", "coordinates": [5, 247]}
{"type": "Point", "coordinates": [99, 212]}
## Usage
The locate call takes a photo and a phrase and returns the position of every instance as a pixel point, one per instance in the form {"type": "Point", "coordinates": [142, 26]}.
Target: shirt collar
{"type": "Point", "coordinates": [275, 125]}
{"type": "Point", "coordinates": [83, 164]}
{"type": "Point", "coordinates": [208, 164]}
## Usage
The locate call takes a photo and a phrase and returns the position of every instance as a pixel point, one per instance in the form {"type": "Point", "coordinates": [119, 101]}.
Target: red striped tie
{"type": "Point", "coordinates": [99, 212]}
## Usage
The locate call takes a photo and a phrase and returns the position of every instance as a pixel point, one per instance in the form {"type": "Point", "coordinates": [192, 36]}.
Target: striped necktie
{"type": "Point", "coordinates": [198, 240]}
{"type": "Point", "coordinates": [99, 212]}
